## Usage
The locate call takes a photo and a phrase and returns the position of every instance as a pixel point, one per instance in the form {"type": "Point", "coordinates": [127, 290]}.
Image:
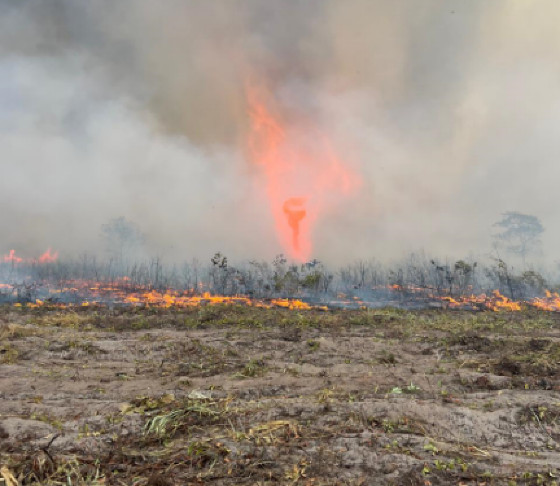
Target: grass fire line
{"type": "Point", "coordinates": [122, 290]}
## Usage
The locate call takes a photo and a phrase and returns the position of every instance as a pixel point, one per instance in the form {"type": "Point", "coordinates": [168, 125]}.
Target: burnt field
{"type": "Point", "coordinates": [246, 395]}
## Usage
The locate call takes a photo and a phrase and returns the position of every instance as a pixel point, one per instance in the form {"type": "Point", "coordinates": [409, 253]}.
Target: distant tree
{"type": "Point", "coordinates": [463, 275]}
{"type": "Point", "coordinates": [503, 277]}
{"type": "Point", "coordinates": [314, 276]}
{"type": "Point", "coordinates": [521, 233]}
{"type": "Point", "coordinates": [225, 278]}
{"type": "Point", "coordinates": [121, 237]}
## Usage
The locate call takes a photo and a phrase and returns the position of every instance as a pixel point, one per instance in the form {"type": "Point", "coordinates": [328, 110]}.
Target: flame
{"type": "Point", "coordinates": [295, 212]}
{"type": "Point", "coordinates": [120, 291]}
{"type": "Point", "coordinates": [123, 291]}
{"type": "Point", "coordinates": [171, 298]}
{"type": "Point", "coordinates": [495, 302]}
{"type": "Point", "coordinates": [12, 258]}
{"type": "Point", "coordinates": [501, 302]}
{"type": "Point", "coordinates": [90, 293]}
{"type": "Point", "coordinates": [303, 175]}
{"type": "Point", "coordinates": [47, 257]}
{"type": "Point", "coordinates": [551, 302]}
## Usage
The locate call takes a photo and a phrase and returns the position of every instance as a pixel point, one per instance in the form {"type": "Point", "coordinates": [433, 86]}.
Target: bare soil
{"type": "Point", "coordinates": [240, 395]}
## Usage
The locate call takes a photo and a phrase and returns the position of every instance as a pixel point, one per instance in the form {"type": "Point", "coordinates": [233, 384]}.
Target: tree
{"type": "Point", "coordinates": [464, 275]}
{"type": "Point", "coordinates": [521, 233]}
{"type": "Point", "coordinates": [225, 279]}
{"type": "Point", "coordinates": [121, 237]}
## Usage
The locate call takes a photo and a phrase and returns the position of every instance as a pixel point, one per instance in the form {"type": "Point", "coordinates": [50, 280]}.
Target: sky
{"type": "Point", "coordinates": [446, 111]}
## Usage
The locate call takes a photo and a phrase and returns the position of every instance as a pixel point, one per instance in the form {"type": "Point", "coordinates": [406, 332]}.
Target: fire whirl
{"type": "Point", "coordinates": [303, 175]}
{"type": "Point", "coordinates": [295, 212]}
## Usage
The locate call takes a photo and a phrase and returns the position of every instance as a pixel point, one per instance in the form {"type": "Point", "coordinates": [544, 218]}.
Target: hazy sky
{"type": "Point", "coordinates": [448, 110]}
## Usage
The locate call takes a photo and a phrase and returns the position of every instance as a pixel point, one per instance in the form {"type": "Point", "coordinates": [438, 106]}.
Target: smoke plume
{"type": "Point", "coordinates": [447, 110]}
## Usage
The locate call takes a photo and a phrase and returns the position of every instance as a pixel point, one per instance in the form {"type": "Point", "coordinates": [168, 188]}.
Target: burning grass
{"type": "Point", "coordinates": [417, 283]}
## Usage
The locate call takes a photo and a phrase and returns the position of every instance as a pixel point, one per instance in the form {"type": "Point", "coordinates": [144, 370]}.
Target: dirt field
{"type": "Point", "coordinates": [239, 395]}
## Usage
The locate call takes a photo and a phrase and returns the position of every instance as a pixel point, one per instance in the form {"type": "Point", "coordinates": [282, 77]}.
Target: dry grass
{"type": "Point", "coordinates": [236, 395]}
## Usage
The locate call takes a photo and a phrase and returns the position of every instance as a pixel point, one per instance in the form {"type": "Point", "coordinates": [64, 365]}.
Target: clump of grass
{"type": "Point", "coordinates": [387, 358]}
{"type": "Point", "coordinates": [254, 368]}
{"type": "Point", "coordinates": [43, 417]}
{"type": "Point", "coordinates": [548, 414]}
{"type": "Point", "coordinates": [16, 331]}
{"type": "Point", "coordinates": [165, 425]}
{"type": "Point", "coordinates": [8, 355]}
{"type": "Point", "coordinates": [65, 319]}
{"type": "Point", "coordinates": [206, 453]}
{"type": "Point", "coordinates": [409, 389]}
{"type": "Point", "coordinates": [313, 345]}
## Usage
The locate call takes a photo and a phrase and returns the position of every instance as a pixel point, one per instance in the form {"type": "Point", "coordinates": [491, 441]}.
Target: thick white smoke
{"type": "Point", "coordinates": [447, 108]}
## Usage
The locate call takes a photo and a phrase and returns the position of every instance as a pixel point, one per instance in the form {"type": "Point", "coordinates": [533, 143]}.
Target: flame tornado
{"type": "Point", "coordinates": [302, 174]}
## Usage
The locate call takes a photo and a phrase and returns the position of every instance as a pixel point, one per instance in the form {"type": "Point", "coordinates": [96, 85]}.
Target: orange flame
{"type": "Point", "coordinates": [12, 258]}
{"type": "Point", "coordinates": [551, 302]}
{"type": "Point", "coordinates": [92, 293]}
{"type": "Point", "coordinates": [495, 302]}
{"type": "Point", "coordinates": [98, 294]}
{"type": "Point", "coordinates": [295, 212]}
{"type": "Point", "coordinates": [47, 257]}
{"type": "Point", "coordinates": [303, 174]}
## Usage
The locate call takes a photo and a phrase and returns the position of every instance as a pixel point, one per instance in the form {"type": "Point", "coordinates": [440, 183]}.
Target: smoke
{"type": "Point", "coordinates": [447, 109]}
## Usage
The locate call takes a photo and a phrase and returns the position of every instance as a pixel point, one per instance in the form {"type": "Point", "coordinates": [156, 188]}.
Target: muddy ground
{"type": "Point", "coordinates": [240, 395]}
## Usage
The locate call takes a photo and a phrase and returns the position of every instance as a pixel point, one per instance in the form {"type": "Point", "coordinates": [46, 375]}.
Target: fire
{"type": "Point", "coordinates": [12, 258]}
{"type": "Point", "coordinates": [551, 302]}
{"type": "Point", "coordinates": [500, 302]}
{"type": "Point", "coordinates": [122, 292]}
{"type": "Point", "coordinates": [47, 257]}
{"type": "Point", "coordinates": [171, 298]}
{"type": "Point", "coordinates": [89, 293]}
{"type": "Point", "coordinates": [303, 174]}
{"type": "Point", "coordinates": [495, 302]}
{"type": "Point", "coordinates": [295, 212]}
